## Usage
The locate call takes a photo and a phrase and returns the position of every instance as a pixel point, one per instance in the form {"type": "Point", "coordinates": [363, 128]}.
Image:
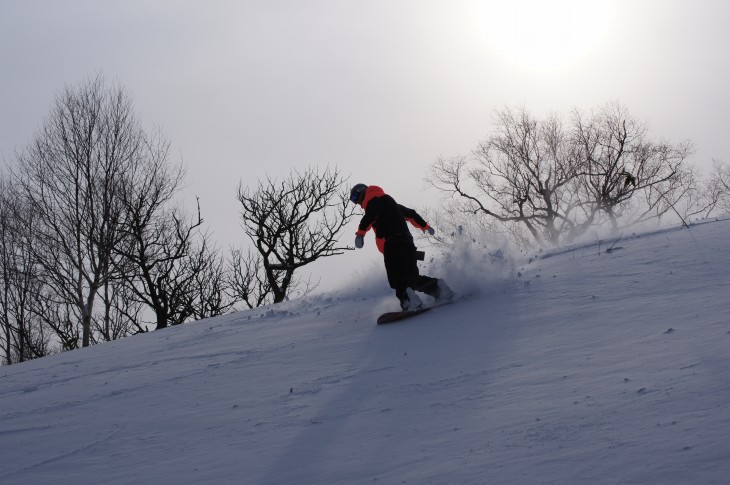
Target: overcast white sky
{"type": "Point", "coordinates": [379, 87]}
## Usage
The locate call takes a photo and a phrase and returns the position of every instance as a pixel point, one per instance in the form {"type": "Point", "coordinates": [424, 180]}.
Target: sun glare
{"type": "Point", "coordinates": [543, 35]}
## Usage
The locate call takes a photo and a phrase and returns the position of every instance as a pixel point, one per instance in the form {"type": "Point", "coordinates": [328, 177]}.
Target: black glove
{"type": "Point", "coordinates": [359, 241]}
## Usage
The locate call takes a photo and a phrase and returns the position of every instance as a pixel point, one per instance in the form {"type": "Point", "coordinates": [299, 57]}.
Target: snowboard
{"type": "Point", "coordinates": [391, 317]}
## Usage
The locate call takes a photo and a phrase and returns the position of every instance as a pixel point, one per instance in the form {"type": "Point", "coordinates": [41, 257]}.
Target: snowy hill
{"type": "Point", "coordinates": [586, 367]}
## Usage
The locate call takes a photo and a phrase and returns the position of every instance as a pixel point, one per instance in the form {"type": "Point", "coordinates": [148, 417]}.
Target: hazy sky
{"type": "Point", "coordinates": [379, 87]}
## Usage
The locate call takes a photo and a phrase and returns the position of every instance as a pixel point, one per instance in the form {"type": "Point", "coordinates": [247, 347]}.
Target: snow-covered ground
{"type": "Point", "coordinates": [582, 366]}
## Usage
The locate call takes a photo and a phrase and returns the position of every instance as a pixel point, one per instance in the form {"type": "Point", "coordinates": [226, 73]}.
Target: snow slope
{"type": "Point", "coordinates": [583, 366]}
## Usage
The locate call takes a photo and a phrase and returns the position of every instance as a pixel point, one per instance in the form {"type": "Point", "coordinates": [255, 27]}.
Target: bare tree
{"type": "Point", "coordinates": [717, 188]}
{"type": "Point", "coordinates": [160, 261]}
{"type": "Point", "coordinates": [212, 294]}
{"type": "Point", "coordinates": [294, 222]}
{"type": "Point", "coordinates": [62, 317]}
{"type": "Point", "coordinates": [246, 281]}
{"type": "Point", "coordinates": [520, 175]}
{"type": "Point", "coordinates": [557, 181]}
{"type": "Point", "coordinates": [69, 175]}
{"type": "Point", "coordinates": [121, 312]}
{"type": "Point", "coordinates": [166, 262]}
{"type": "Point", "coordinates": [618, 162]}
{"type": "Point", "coordinates": [98, 191]}
{"type": "Point", "coordinates": [126, 310]}
{"type": "Point", "coordinates": [158, 257]}
{"type": "Point", "coordinates": [23, 334]}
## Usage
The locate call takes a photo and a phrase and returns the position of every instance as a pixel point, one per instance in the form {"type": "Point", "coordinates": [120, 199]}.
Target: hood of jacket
{"type": "Point", "coordinates": [371, 192]}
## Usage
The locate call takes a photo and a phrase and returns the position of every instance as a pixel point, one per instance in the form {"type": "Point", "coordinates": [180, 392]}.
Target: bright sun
{"type": "Point", "coordinates": [543, 35]}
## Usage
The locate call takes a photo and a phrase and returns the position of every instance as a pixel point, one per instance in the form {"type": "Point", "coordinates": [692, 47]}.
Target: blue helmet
{"type": "Point", "coordinates": [357, 194]}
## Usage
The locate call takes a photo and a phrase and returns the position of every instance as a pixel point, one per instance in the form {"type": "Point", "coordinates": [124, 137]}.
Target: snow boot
{"type": "Point", "coordinates": [411, 302]}
{"type": "Point", "coordinates": [443, 292]}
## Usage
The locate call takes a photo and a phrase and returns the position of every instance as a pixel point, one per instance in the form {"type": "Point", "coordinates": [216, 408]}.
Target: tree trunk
{"type": "Point", "coordinates": [161, 318]}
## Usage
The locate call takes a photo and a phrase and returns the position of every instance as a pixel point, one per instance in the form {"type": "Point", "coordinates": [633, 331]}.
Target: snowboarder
{"type": "Point", "coordinates": [394, 240]}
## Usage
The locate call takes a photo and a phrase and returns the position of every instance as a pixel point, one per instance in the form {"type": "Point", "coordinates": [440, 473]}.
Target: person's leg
{"type": "Point", "coordinates": [397, 254]}
{"type": "Point", "coordinates": [394, 268]}
{"type": "Point", "coordinates": [426, 284]}
{"type": "Point", "coordinates": [433, 287]}
{"type": "Point", "coordinates": [413, 278]}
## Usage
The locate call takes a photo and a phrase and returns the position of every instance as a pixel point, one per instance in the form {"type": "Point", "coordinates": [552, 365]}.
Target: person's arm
{"type": "Point", "coordinates": [414, 218]}
{"type": "Point", "coordinates": [371, 215]}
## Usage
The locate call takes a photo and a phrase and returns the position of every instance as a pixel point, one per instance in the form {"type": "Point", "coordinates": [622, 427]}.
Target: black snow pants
{"type": "Point", "coordinates": [401, 266]}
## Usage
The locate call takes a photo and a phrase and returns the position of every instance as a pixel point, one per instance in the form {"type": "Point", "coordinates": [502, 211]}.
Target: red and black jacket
{"type": "Point", "coordinates": [386, 217]}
